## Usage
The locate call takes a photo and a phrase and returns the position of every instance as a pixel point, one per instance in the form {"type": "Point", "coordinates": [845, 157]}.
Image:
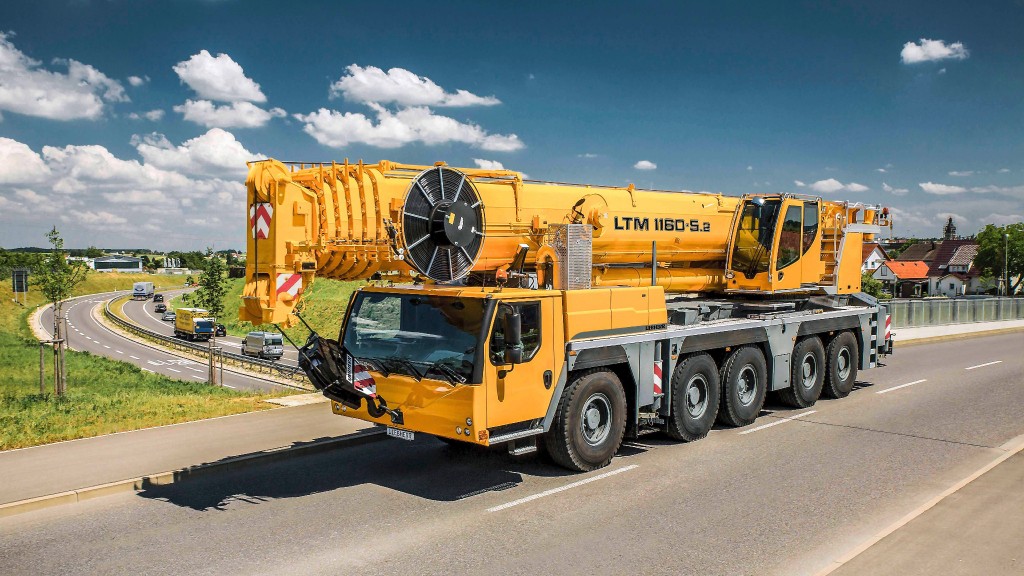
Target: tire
{"type": "Point", "coordinates": [744, 378]}
{"type": "Point", "coordinates": [841, 373]}
{"type": "Point", "coordinates": [589, 422]}
{"type": "Point", "coordinates": [696, 389]}
{"type": "Point", "coordinates": [807, 376]}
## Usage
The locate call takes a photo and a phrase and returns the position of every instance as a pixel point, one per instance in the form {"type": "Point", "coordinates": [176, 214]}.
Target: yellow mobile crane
{"type": "Point", "coordinates": [506, 311]}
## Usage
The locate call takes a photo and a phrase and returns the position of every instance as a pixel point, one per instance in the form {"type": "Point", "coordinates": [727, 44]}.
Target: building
{"type": "Point", "coordinates": [905, 279]}
{"type": "Point", "coordinates": [872, 257]}
{"type": "Point", "coordinates": [117, 263]}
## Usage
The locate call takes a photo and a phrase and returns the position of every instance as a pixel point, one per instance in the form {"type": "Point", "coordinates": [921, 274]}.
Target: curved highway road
{"type": "Point", "coordinates": [87, 334]}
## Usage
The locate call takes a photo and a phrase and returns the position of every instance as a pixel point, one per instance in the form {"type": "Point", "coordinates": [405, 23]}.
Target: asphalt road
{"type": "Point", "coordinates": [782, 496]}
{"type": "Point", "coordinates": [86, 333]}
{"type": "Point", "coordinates": [141, 312]}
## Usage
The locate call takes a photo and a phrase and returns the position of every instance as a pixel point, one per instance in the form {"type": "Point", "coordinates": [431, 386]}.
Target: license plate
{"type": "Point", "coordinates": [399, 433]}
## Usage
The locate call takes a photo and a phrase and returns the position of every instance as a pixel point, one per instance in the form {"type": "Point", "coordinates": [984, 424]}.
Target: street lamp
{"type": "Point", "coordinates": [1006, 269]}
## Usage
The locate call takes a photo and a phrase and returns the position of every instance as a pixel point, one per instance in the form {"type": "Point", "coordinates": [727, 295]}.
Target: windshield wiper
{"type": "Point", "coordinates": [446, 371]}
{"type": "Point", "coordinates": [409, 366]}
{"type": "Point", "coordinates": [375, 364]}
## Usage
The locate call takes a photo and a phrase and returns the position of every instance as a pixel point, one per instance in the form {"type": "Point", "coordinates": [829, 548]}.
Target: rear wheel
{"type": "Point", "coordinates": [695, 395]}
{"type": "Point", "coordinates": [589, 423]}
{"type": "Point", "coordinates": [744, 384]}
{"type": "Point", "coordinates": [807, 375]}
{"type": "Point", "coordinates": [842, 355]}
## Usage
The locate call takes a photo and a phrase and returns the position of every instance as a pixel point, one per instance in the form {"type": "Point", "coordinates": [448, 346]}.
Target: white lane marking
{"type": "Point", "coordinates": [199, 378]}
{"type": "Point", "coordinates": [783, 421]}
{"type": "Point", "coordinates": [983, 365]}
{"type": "Point", "coordinates": [134, 357]}
{"type": "Point", "coordinates": [228, 386]}
{"type": "Point", "coordinates": [118, 351]}
{"type": "Point", "coordinates": [900, 386]}
{"type": "Point", "coordinates": [173, 370]}
{"type": "Point", "coordinates": [508, 505]}
{"type": "Point", "coordinates": [107, 347]}
{"type": "Point", "coordinates": [194, 369]}
{"type": "Point", "coordinates": [148, 370]}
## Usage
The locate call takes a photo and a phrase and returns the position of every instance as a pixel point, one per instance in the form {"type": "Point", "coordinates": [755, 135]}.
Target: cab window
{"type": "Point", "coordinates": [529, 317]}
{"type": "Point", "coordinates": [789, 238]}
{"type": "Point", "coordinates": [810, 224]}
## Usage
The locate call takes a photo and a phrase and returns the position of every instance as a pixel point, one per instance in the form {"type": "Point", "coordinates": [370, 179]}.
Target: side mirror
{"type": "Point", "coordinates": [513, 337]}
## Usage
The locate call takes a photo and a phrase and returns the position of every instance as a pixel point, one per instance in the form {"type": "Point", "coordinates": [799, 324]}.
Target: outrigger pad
{"type": "Point", "coordinates": [322, 359]}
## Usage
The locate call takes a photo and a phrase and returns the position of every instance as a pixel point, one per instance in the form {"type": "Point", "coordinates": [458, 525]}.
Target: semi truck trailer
{"type": "Point", "coordinates": [142, 290]}
{"type": "Point", "coordinates": [534, 314]}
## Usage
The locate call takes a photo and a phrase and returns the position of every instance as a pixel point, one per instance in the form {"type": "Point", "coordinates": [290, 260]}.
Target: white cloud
{"type": "Point", "coordinates": [216, 153]}
{"type": "Point", "coordinates": [882, 170]}
{"type": "Point", "coordinates": [832, 185]}
{"type": "Point", "coordinates": [488, 164]}
{"type": "Point", "coordinates": [401, 87]}
{"type": "Point", "coordinates": [961, 173]}
{"type": "Point", "coordinates": [587, 155]}
{"type": "Point", "coordinates": [218, 78]}
{"type": "Point", "coordinates": [645, 165]}
{"type": "Point", "coordinates": [799, 183]}
{"type": "Point", "coordinates": [394, 129]}
{"type": "Point", "coordinates": [233, 115]}
{"type": "Point", "coordinates": [26, 88]}
{"type": "Point", "coordinates": [95, 219]}
{"type": "Point", "coordinates": [894, 191]}
{"type": "Point", "coordinates": [933, 188]}
{"type": "Point", "coordinates": [1013, 191]}
{"type": "Point", "coordinates": [1002, 219]}
{"type": "Point", "coordinates": [152, 115]}
{"type": "Point", "coordinates": [137, 81]}
{"type": "Point", "coordinates": [19, 164]}
{"type": "Point", "coordinates": [1004, 170]}
{"type": "Point", "coordinates": [941, 71]}
{"type": "Point", "coordinates": [749, 168]}
{"type": "Point", "coordinates": [932, 51]}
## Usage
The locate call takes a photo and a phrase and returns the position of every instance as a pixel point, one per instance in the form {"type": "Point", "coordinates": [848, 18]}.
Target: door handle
{"type": "Point", "coordinates": [547, 379]}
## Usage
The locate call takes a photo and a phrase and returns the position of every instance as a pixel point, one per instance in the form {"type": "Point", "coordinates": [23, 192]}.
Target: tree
{"type": "Point", "coordinates": [992, 249]}
{"type": "Point", "coordinates": [57, 278]}
{"type": "Point", "coordinates": [871, 286]}
{"type": "Point", "coordinates": [93, 252]}
{"type": "Point", "coordinates": [212, 288]}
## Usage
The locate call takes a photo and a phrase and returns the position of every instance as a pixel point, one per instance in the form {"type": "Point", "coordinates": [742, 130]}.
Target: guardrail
{"type": "Point", "coordinates": [256, 365]}
{"type": "Point", "coordinates": [909, 313]}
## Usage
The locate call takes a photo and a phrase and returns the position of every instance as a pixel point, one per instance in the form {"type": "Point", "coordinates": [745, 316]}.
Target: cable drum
{"type": "Point", "coordinates": [442, 224]}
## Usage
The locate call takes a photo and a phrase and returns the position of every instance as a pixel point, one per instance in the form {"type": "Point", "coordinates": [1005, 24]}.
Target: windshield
{"type": "Point", "coordinates": [752, 247]}
{"type": "Point", "coordinates": [272, 341]}
{"type": "Point", "coordinates": [399, 329]}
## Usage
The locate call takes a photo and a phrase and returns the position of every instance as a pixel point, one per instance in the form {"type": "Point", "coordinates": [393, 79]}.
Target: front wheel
{"type": "Point", "coordinates": [589, 423]}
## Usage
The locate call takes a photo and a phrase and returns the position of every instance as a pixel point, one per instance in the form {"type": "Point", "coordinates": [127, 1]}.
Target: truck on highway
{"type": "Point", "coordinates": [142, 291]}
{"type": "Point", "coordinates": [506, 311]}
{"type": "Point", "coordinates": [193, 324]}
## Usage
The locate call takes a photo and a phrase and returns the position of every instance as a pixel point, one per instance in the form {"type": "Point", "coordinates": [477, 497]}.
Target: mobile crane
{"type": "Point", "coordinates": [500, 310]}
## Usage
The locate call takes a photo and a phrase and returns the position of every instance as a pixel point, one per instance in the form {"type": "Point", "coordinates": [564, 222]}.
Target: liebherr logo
{"type": "Point", "coordinates": [661, 224]}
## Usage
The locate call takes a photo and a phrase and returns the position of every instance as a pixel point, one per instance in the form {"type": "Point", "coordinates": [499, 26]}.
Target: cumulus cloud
{"type": "Point", "coordinates": [894, 191]}
{"type": "Point", "coordinates": [940, 189]}
{"type": "Point", "coordinates": [137, 81]}
{"type": "Point", "coordinates": [932, 51]}
{"type": "Point", "coordinates": [488, 164]}
{"type": "Point", "coordinates": [27, 88]}
{"type": "Point", "coordinates": [799, 183]}
{"type": "Point", "coordinates": [1002, 219]}
{"type": "Point", "coordinates": [1004, 170]}
{"type": "Point", "coordinates": [232, 115]}
{"type": "Point", "coordinates": [402, 87]}
{"type": "Point", "coordinates": [832, 185]}
{"type": "Point", "coordinates": [394, 129]}
{"type": "Point", "coordinates": [645, 165]}
{"type": "Point", "coordinates": [218, 78]}
{"type": "Point", "coordinates": [216, 153]}
{"type": "Point", "coordinates": [19, 164]}
{"type": "Point", "coordinates": [961, 173]}
{"type": "Point", "coordinates": [152, 115]}
{"type": "Point", "coordinates": [882, 170]}
{"type": "Point", "coordinates": [1013, 191]}
{"type": "Point", "coordinates": [587, 155]}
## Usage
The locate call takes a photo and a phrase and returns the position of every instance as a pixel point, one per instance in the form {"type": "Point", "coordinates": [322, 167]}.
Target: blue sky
{"type": "Point", "coordinates": [127, 123]}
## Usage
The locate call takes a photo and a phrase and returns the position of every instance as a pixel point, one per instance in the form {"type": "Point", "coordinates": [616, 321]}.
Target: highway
{"type": "Point", "coordinates": [141, 312]}
{"type": "Point", "coordinates": [786, 495]}
{"type": "Point", "coordinates": [87, 334]}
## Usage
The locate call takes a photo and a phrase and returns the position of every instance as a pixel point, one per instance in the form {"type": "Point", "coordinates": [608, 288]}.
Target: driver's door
{"type": "Point", "coordinates": [521, 395]}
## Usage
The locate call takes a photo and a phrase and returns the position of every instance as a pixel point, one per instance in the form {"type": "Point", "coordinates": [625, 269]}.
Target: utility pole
{"type": "Point", "coordinates": [1006, 268]}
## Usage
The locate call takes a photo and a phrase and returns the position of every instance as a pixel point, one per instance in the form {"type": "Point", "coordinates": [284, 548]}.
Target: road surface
{"type": "Point", "coordinates": [786, 495]}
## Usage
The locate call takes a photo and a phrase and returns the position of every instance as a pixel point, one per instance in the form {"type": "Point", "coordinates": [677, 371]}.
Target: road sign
{"type": "Point", "coordinates": [19, 277]}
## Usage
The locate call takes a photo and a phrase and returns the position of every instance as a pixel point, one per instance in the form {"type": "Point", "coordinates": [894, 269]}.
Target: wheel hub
{"type": "Point", "coordinates": [696, 396]}
{"type": "Point", "coordinates": [809, 369]}
{"type": "Point", "coordinates": [747, 385]}
{"type": "Point", "coordinates": [596, 419]}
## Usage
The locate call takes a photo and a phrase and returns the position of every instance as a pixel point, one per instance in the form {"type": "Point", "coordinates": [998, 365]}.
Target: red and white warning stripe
{"type": "Point", "coordinates": [289, 283]}
{"type": "Point", "coordinates": [259, 219]}
{"type": "Point", "coordinates": [888, 328]}
{"type": "Point", "coordinates": [363, 381]}
{"type": "Point", "coordinates": [657, 377]}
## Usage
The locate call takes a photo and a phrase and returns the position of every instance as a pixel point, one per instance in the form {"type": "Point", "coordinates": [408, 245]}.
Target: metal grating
{"type": "Point", "coordinates": [573, 245]}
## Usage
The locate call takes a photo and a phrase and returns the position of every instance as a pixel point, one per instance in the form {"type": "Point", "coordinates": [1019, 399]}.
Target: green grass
{"type": "Point", "coordinates": [103, 395]}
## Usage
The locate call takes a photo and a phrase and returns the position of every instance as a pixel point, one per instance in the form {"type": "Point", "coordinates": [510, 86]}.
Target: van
{"type": "Point", "coordinates": [263, 345]}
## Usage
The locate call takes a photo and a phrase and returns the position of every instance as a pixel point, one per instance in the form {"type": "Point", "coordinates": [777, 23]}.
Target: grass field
{"type": "Point", "coordinates": [103, 395]}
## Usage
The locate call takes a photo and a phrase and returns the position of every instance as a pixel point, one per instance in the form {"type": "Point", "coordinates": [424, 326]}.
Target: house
{"type": "Point", "coordinates": [117, 263]}
{"type": "Point", "coordinates": [872, 257]}
{"type": "Point", "coordinates": [960, 254]}
{"type": "Point", "coordinates": [906, 279]}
